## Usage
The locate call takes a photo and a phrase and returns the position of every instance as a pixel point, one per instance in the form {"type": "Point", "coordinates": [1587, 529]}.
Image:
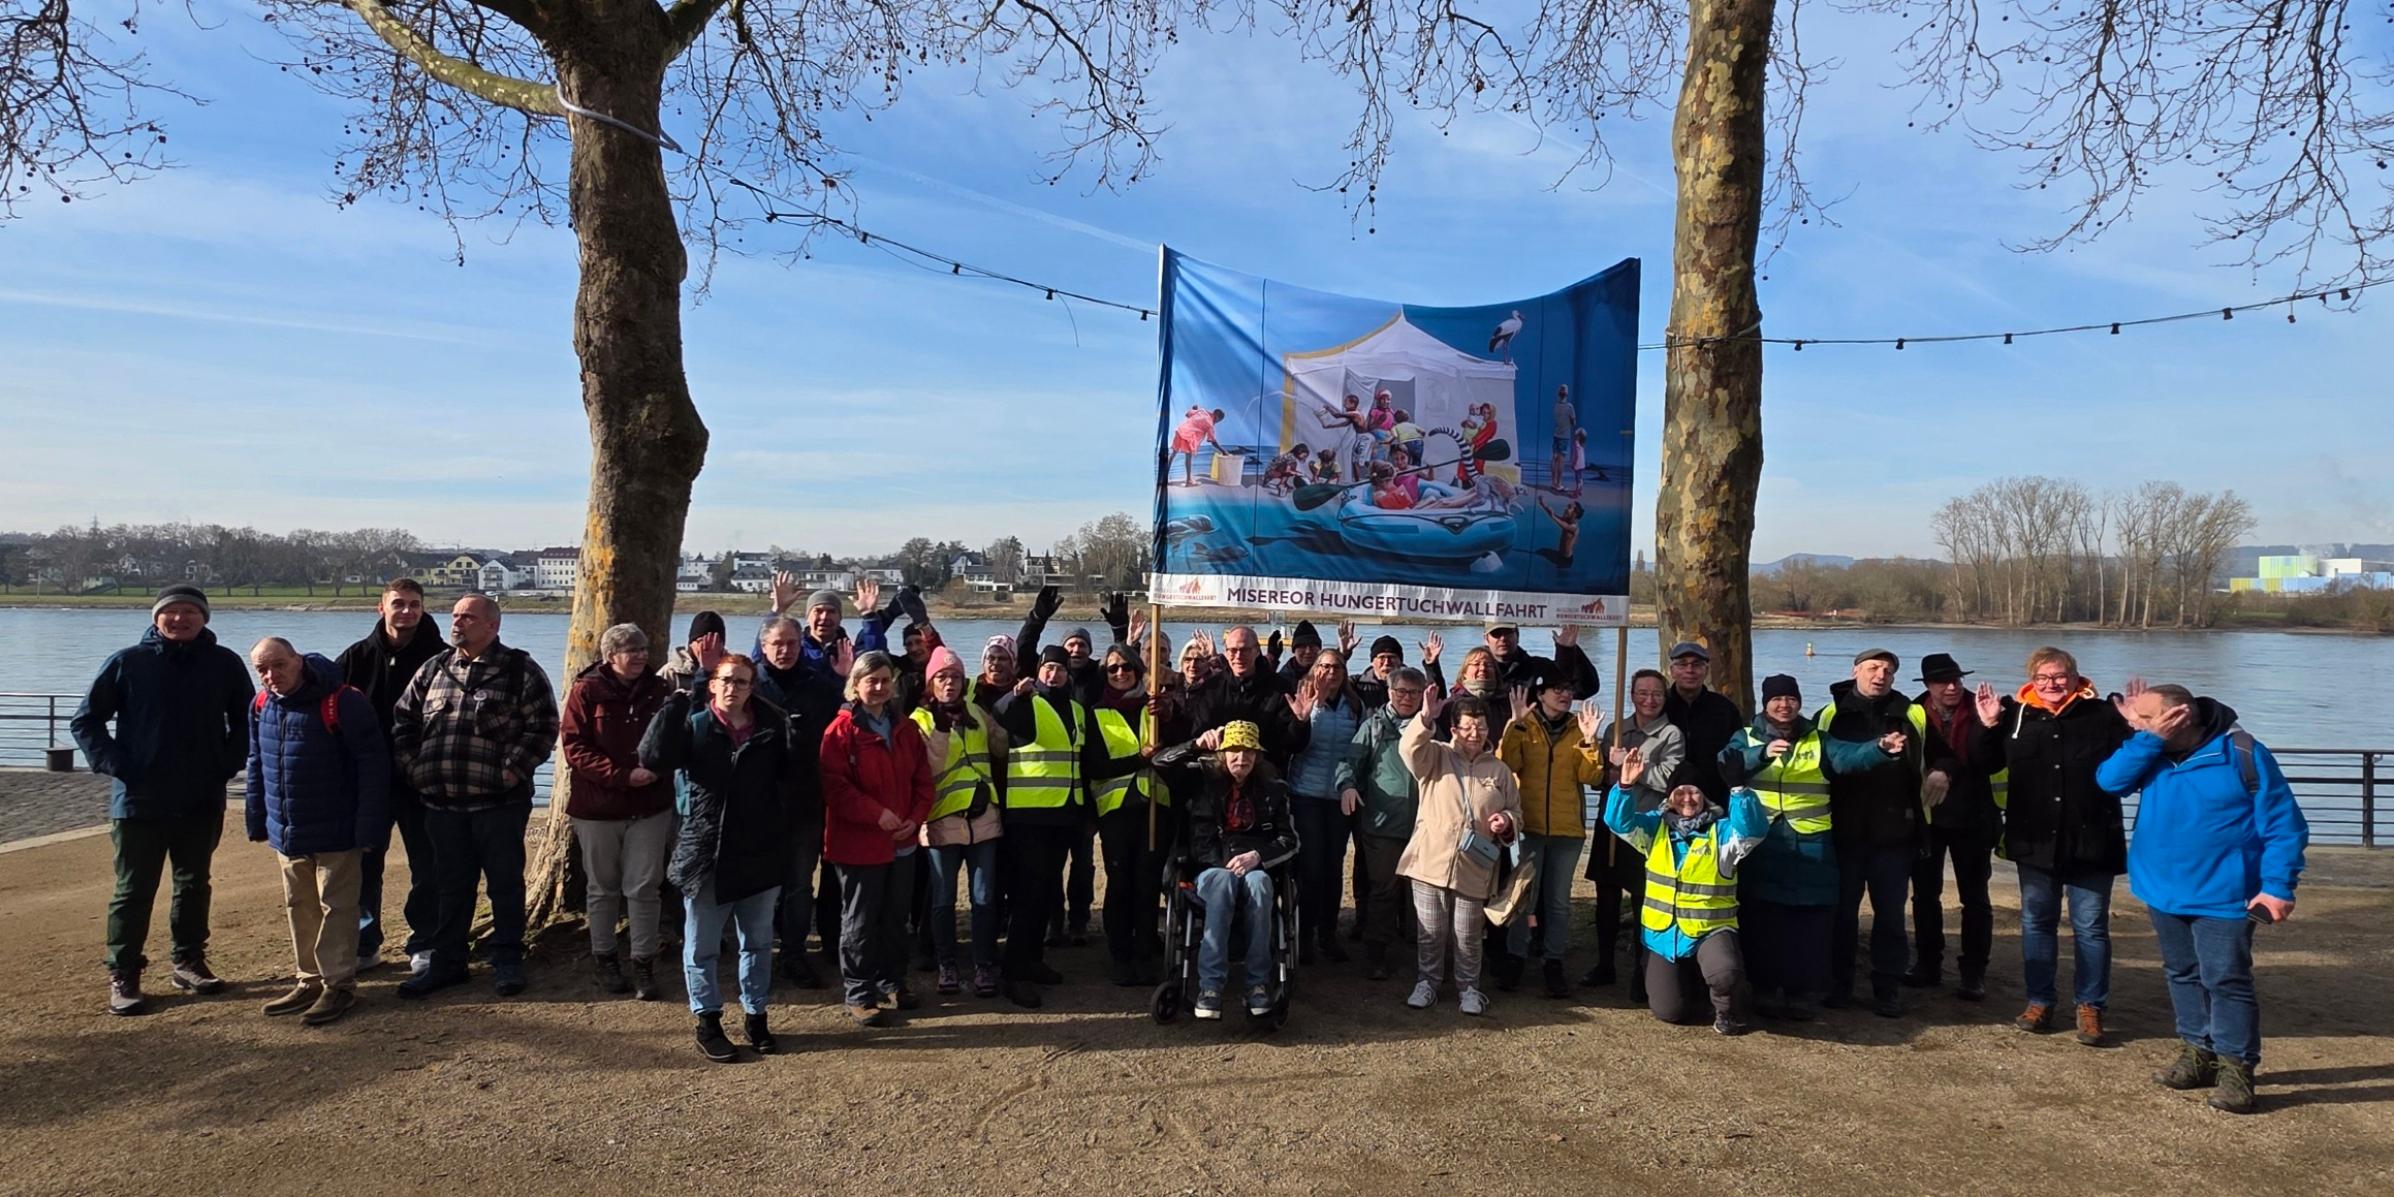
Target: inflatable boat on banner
{"type": "Point", "coordinates": [1426, 533]}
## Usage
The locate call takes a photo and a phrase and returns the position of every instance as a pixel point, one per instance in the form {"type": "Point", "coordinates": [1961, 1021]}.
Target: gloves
{"type": "Point", "coordinates": [1272, 647]}
{"type": "Point", "coordinates": [1050, 601]}
{"type": "Point", "coordinates": [910, 601]}
{"type": "Point", "coordinates": [1116, 609]}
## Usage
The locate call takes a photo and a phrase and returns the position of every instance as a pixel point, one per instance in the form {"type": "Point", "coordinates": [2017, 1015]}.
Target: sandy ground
{"type": "Point", "coordinates": [560, 1091]}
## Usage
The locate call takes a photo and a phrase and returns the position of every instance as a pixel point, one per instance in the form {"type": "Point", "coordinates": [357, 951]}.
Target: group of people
{"type": "Point", "coordinates": [707, 790]}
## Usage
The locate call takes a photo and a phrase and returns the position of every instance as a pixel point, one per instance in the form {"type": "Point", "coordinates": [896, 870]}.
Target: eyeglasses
{"type": "Point", "coordinates": [736, 683]}
{"type": "Point", "coordinates": [1400, 692]}
{"type": "Point", "coordinates": [1120, 667]}
{"type": "Point", "coordinates": [2051, 679]}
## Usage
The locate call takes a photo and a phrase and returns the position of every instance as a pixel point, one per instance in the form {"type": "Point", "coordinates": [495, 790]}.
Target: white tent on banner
{"type": "Point", "coordinates": [1438, 384]}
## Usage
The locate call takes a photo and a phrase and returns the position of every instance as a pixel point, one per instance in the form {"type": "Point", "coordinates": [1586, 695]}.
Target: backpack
{"type": "Point", "coordinates": [2248, 762]}
{"type": "Point", "coordinates": [329, 711]}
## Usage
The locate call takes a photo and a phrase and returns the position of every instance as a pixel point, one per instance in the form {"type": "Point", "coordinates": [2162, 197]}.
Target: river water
{"type": "Point", "coordinates": [2290, 690]}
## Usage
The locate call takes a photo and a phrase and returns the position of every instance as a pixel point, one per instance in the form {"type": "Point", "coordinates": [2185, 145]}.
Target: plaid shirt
{"type": "Point", "coordinates": [463, 726]}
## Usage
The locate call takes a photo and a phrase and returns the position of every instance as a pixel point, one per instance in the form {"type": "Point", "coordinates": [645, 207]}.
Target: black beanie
{"type": "Point", "coordinates": [1305, 636]}
{"type": "Point", "coordinates": [1779, 684]}
{"type": "Point", "coordinates": [1055, 654]}
{"type": "Point", "coordinates": [705, 623]}
{"type": "Point", "coordinates": [1388, 644]}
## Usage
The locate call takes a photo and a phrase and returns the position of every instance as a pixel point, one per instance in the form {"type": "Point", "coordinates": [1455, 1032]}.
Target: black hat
{"type": "Point", "coordinates": [705, 623]}
{"type": "Point", "coordinates": [1305, 636]}
{"type": "Point", "coordinates": [1940, 667]}
{"type": "Point", "coordinates": [1780, 685]}
{"type": "Point", "coordinates": [1548, 679]}
{"type": "Point", "coordinates": [1055, 654]}
{"type": "Point", "coordinates": [1388, 644]}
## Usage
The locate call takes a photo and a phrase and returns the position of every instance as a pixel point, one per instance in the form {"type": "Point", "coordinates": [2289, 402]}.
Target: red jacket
{"type": "Point", "coordinates": [864, 775]}
{"type": "Point", "coordinates": [600, 730]}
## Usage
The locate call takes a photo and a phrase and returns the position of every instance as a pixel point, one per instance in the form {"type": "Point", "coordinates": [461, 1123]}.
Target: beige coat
{"type": "Point", "coordinates": [1446, 777]}
{"type": "Point", "coordinates": [955, 828]}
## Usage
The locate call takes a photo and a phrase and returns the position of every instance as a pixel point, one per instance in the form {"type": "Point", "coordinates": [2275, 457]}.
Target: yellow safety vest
{"type": "Point", "coordinates": [1045, 774]}
{"type": "Point", "coordinates": [966, 767]}
{"type": "Point", "coordinates": [1121, 743]}
{"type": "Point", "coordinates": [1689, 893]}
{"type": "Point", "coordinates": [1795, 787]}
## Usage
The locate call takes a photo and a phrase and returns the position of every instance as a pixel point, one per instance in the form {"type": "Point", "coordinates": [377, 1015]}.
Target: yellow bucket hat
{"type": "Point", "coordinates": [1242, 734]}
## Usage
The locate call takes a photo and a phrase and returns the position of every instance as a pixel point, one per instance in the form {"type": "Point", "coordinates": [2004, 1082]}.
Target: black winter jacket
{"type": "Point", "coordinates": [2058, 819]}
{"type": "Point", "coordinates": [1256, 699]}
{"type": "Point", "coordinates": [1879, 809]}
{"type": "Point", "coordinates": [383, 669]}
{"type": "Point", "coordinates": [1706, 724]}
{"type": "Point", "coordinates": [737, 815]}
{"type": "Point", "coordinates": [181, 715]}
{"type": "Point", "coordinates": [1271, 833]}
{"type": "Point", "coordinates": [1969, 807]}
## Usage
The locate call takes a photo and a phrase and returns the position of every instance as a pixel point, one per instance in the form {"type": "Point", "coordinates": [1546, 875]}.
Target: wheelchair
{"type": "Point", "coordinates": [1184, 927]}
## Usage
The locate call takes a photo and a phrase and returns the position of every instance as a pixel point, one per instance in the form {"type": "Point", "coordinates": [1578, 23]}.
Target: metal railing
{"type": "Point", "coordinates": [2341, 790]}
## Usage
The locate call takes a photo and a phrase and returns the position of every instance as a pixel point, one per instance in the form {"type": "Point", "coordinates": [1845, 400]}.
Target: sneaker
{"type": "Point", "coordinates": [1723, 1024]}
{"type": "Point", "coordinates": [712, 1043]}
{"type": "Point", "coordinates": [1973, 986]}
{"type": "Point", "coordinates": [644, 978]}
{"type": "Point", "coordinates": [431, 981]}
{"type": "Point", "coordinates": [606, 971]}
{"type": "Point", "coordinates": [193, 976]}
{"type": "Point", "coordinates": [419, 963]}
{"type": "Point", "coordinates": [2233, 1093]}
{"type": "Point", "coordinates": [1259, 1001]}
{"type": "Point", "coordinates": [796, 971]}
{"type": "Point", "coordinates": [1424, 993]}
{"type": "Point", "coordinates": [2090, 1025]}
{"type": "Point", "coordinates": [302, 996]}
{"type": "Point", "coordinates": [1474, 1002]}
{"type": "Point", "coordinates": [760, 1036]}
{"type": "Point", "coordinates": [1209, 1004]}
{"type": "Point", "coordinates": [864, 1016]}
{"type": "Point", "coordinates": [1925, 975]}
{"type": "Point", "coordinates": [1557, 985]}
{"type": "Point", "coordinates": [2195, 1068]}
{"type": "Point", "coordinates": [330, 1006]}
{"type": "Point", "coordinates": [985, 981]}
{"type": "Point", "coordinates": [2037, 1019]}
{"type": "Point", "coordinates": [1023, 994]}
{"type": "Point", "coordinates": [947, 981]}
{"type": "Point", "coordinates": [507, 977]}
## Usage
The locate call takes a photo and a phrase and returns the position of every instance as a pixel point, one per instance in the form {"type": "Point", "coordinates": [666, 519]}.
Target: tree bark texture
{"type": "Point", "coordinates": [646, 440]}
{"type": "Point", "coordinates": [1712, 394]}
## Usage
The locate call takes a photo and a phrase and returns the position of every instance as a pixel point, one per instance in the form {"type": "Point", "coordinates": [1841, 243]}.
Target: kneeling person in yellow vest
{"type": "Point", "coordinates": [1689, 916]}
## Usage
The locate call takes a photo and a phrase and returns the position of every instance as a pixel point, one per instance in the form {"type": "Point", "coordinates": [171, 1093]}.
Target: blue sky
{"type": "Point", "coordinates": [222, 344]}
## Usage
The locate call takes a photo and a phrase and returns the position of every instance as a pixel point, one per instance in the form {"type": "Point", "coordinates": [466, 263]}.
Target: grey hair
{"type": "Point", "coordinates": [2172, 696]}
{"type": "Point", "coordinates": [277, 642]}
{"type": "Point", "coordinates": [778, 622]}
{"type": "Point", "coordinates": [1410, 676]}
{"type": "Point", "coordinates": [622, 638]}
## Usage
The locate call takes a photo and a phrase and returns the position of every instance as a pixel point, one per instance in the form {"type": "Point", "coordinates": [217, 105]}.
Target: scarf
{"type": "Point", "coordinates": [945, 715]}
{"type": "Point", "coordinates": [1688, 826]}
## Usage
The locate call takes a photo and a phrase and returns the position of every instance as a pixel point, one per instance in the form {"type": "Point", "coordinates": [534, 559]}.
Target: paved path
{"type": "Point", "coordinates": [35, 802]}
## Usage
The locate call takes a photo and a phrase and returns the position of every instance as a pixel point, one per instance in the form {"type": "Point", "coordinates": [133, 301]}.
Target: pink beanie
{"type": "Point", "coordinates": [942, 659]}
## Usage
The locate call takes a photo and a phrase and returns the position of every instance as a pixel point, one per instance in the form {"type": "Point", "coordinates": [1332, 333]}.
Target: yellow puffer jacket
{"type": "Point", "coordinates": [1551, 770]}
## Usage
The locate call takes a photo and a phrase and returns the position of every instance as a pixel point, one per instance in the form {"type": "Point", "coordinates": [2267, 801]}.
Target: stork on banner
{"type": "Point", "coordinates": [1320, 452]}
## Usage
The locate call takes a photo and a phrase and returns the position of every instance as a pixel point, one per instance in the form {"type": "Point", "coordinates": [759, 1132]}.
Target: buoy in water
{"type": "Point", "coordinates": [1808, 648]}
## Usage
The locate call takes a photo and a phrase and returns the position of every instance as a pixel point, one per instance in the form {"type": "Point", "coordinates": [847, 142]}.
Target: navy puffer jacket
{"type": "Point", "coordinates": [178, 710]}
{"type": "Point", "coordinates": [313, 788]}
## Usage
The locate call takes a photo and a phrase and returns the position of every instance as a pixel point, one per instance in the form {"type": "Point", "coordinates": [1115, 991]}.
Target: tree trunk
{"type": "Point", "coordinates": [1712, 391]}
{"type": "Point", "coordinates": [646, 440]}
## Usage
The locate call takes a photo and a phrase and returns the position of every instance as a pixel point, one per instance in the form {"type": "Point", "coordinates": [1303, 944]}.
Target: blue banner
{"type": "Point", "coordinates": [1325, 453]}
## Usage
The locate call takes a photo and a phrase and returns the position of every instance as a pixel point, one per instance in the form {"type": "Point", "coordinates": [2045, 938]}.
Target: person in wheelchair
{"type": "Point", "coordinates": [1239, 833]}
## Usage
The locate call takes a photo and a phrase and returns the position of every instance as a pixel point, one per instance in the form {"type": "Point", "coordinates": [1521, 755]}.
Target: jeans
{"type": "Point", "coordinates": [1132, 874]}
{"type": "Point", "coordinates": [702, 943]}
{"type": "Point", "coordinates": [422, 906]}
{"type": "Point", "coordinates": [1033, 855]}
{"type": "Point", "coordinates": [1885, 874]}
{"type": "Point", "coordinates": [485, 846]}
{"type": "Point", "coordinates": [625, 859]}
{"type": "Point", "coordinates": [1322, 830]}
{"type": "Point", "coordinates": [944, 864]}
{"type": "Point", "coordinates": [2209, 964]}
{"type": "Point", "coordinates": [143, 848]}
{"type": "Point", "coordinates": [1717, 964]}
{"type": "Point", "coordinates": [1973, 856]}
{"type": "Point", "coordinates": [873, 944]}
{"type": "Point", "coordinates": [320, 900]}
{"type": "Point", "coordinates": [1445, 915]}
{"type": "Point", "coordinates": [1222, 896]}
{"type": "Point", "coordinates": [1556, 857]}
{"type": "Point", "coordinates": [798, 888]}
{"type": "Point", "coordinates": [2041, 895]}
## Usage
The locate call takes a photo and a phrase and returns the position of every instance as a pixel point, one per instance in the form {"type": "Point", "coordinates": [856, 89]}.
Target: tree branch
{"type": "Point", "coordinates": [684, 21]}
{"type": "Point", "coordinates": [507, 91]}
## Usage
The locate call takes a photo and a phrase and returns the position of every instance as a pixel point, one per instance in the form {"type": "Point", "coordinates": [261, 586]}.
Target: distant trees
{"type": "Point", "coordinates": [926, 564]}
{"type": "Point", "coordinates": [75, 560]}
{"type": "Point", "coordinates": [2036, 549]}
{"type": "Point", "coordinates": [1005, 560]}
{"type": "Point", "coordinates": [1109, 553]}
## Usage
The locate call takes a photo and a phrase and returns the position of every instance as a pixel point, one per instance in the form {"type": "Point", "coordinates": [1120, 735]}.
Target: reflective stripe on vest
{"type": "Point", "coordinates": [1046, 773]}
{"type": "Point", "coordinates": [965, 769]}
{"type": "Point", "coordinates": [1690, 893]}
{"type": "Point", "coordinates": [1795, 788]}
{"type": "Point", "coordinates": [2001, 786]}
{"type": "Point", "coordinates": [1121, 743]}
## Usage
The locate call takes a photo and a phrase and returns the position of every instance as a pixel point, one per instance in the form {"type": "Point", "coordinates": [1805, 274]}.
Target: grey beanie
{"type": "Point", "coordinates": [181, 593]}
{"type": "Point", "coordinates": [825, 598]}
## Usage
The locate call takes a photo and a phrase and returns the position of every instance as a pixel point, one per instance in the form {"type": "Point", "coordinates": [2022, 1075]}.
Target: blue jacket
{"type": "Point", "coordinates": [2205, 843]}
{"type": "Point", "coordinates": [1792, 868]}
{"type": "Point", "coordinates": [313, 789]}
{"type": "Point", "coordinates": [182, 716]}
{"type": "Point", "coordinates": [1741, 831]}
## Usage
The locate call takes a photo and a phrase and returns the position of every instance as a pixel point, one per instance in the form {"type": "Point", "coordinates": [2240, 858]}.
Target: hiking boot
{"type": "Point", "coordinates": [864, 1016]}
{"type": "Point", "coordinates": [1973, 986]}
{"type": "Point", "coordinates": [1041, 973]}
{"type": "Point", "coordinates": [507, 977]}
{"type": "Point", "coordinates": [1723, 1024]}
{"type": "Point", "coordinates": [606, 971]}
{"type": "Point", "coordinates": [2234, 1092]}
{"type": "Point", "coordinates": [760, 1036]}
{"type": "Point", "coordinates": [330, 1006]}
{"type": "Point", "coordinates": [1796, 1009]}
{"type": "Point", "coordinates": [1023, 994]}
{"type": "Point", "coordinates": [1209, 1004]}
{"type": "Point", "coordinates": [1259, 1001]}
{"type": "Point", "coordinates": [1332, 950]}
{"type": "Point", "coordinates": [1557, 985]}
{"type": "Point", "coordinates": [644, 978]}
{"type": "Point", "coordinates": [1424, 993]}
{"type": "Point", "coordinates": [302, 996]}
{"type": "Point", "coordinates": [1474, 1002]}
{"type": "Point", "coordinates": [419, 963]}
{"type": "Point", "coordinates": [193, 976]}
{"type": "Point", "coordinates": [712, 1043]}
{"type": "Point", "coordinates": [985, 981]}
{"type": "Point", "coordinates": [796, 971]}
{"type": "Point", "coordinates": [947, 982]}
{"type": "Point", "coordinates": [1925, 975]}
{"type": "Point", "coordinates": [2037, 1019]}
{"type": "Point", "coordinates": [2090, 1025]}
{"type": "Point", "coordinates": [430, 981]}
{"type": "Point", "coordinates": [1601, 974]}
{"type": "Point", "coordinates": [2195, 1068]}
{"type": "Point", "coordinates": [1886, 1001]}
{"type": "Point", "coordinates": [1508, 972]}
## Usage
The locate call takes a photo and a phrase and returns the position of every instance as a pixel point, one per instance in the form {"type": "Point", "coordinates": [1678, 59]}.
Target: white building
{"type": "Point", "coordinates": [556, 568]}
{"type": "Point", "coordinates": [499, 575]}
{"type": "Point", "coordinates": [752, 579]}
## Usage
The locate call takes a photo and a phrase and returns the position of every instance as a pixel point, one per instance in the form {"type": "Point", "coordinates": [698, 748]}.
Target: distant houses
{"type": "Point", "coordinates": [2310, 573]}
